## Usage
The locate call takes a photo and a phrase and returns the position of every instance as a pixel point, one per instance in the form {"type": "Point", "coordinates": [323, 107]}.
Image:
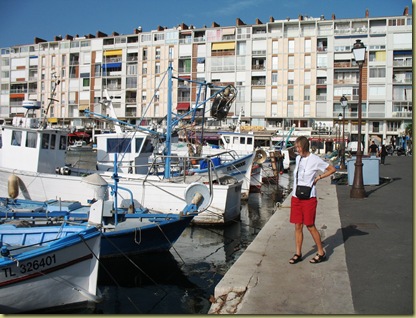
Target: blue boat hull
{"type": "Point", "coordinates": [149, 239]}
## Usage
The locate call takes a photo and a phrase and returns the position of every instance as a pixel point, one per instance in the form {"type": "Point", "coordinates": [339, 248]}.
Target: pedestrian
{"type": "Point", "coordinates": [373, 149]}
{"type": "Point", "coordinates": [303, 208]}
{"type": "Point", "coordinates": [383, 154]}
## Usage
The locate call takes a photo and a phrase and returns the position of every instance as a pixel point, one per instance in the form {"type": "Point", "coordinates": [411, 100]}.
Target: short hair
{"type": "Point", "coordinates": [303, 143]}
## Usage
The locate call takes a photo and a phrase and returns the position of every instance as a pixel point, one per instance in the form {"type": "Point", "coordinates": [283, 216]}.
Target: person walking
{"type": "Point", "coordinates": [373, 149]}
{"type": "Point", "coordinates": [383, 154]}
{"type": "Point", "coordinates": [304, 204]}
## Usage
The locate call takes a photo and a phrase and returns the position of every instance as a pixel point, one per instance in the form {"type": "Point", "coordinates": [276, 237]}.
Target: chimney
{"type": "Point", "coordinates": [184, 26]}
{"type": "Point", "coordinates": [114, 33]}
{"type": "Point", "coordinates": [38, 40]}
{"type": "Point", "coordinates": [367, 13]}
{"type": "Point", "coordinates": [159, 28]}
{"type": "Point", "coordinates": [89, 36]}
{"type": "Point", "coordinates": [406, 11]}
{"type": "Point", "coordinates": [101, 34]}
{"type": "Point", "coordinates": [215, 25]}
{"type": "Point", "coordinates": [333, 16]}
{"type": "Point", "coordinates": [239, 22]}
{"type": "Point", "coordinates": [57, 38]}
{"type": "Point", "coordinates": [271, 19]}
{"type": "Point", "coordinates": [258, 21]}
{"type": "Point", "coordinates": [68, 37]}
{"type": "Point", "coordinates": [300, 17]}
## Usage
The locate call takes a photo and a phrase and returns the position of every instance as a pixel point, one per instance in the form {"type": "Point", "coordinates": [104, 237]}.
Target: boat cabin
{"type": "Point", "coordinates": [24, 146]}
{"type": "Point", "coordinates": [133, 149]}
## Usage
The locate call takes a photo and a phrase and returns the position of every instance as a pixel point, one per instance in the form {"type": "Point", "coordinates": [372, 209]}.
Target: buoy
{"type": "Point", "coordinates": [13, 186]}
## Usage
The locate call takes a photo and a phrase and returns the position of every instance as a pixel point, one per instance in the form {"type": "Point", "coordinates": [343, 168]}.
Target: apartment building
{"type": "Point", "coordinates": [291, 71]}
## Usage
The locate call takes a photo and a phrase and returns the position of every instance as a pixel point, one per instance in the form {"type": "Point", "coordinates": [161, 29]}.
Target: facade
{"type": "Point", "coordinates": [286, 72]}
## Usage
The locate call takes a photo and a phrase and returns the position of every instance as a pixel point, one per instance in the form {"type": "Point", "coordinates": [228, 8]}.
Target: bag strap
{"type": "Point", "coordinates": [297, 171]}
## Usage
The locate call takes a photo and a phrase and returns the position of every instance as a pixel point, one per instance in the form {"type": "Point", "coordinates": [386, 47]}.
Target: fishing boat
{"type": "Point", "coordinates": [47, 265]}
{"type": "Point", "coordinates": [139, 146]}
{"type": "Point", "coordinates": [127, 228]}
{"type": "Point", "coordinates": [32, 165]}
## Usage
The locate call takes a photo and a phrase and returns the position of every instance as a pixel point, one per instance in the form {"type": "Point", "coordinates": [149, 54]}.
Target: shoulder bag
{"type": "Point", "coordinates": [302, 192]}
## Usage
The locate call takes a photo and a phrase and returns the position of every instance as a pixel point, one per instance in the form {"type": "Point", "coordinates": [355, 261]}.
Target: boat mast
{"type": "Point", "coordinates": [168, 124]}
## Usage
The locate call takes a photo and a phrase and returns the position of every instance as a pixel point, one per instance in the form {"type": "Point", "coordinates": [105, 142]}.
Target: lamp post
{"type": "Point", "coordinates": [319, 137]}
{"type": "Point", "coordinates": [344, 103]}
{"type": "Point", "coordinates": [337, 139]}
{"type": "Point", "coordinates": [357, 190]}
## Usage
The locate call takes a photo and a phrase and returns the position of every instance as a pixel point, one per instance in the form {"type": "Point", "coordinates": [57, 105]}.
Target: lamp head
{"type": "Point", "coordinates": [340, 116]}
{"type": "Point", "coordinates": [344, 101]}
{"type": "Point", "coordinates": [359, 52]}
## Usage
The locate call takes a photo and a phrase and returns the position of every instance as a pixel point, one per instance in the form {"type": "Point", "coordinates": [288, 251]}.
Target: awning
{"type": "Point", "coordinates": [113, 52]}
{"type": "Point", "coordinates": [229, 31]}
{"type": "Point", "coordinates": [183, 106]}
{"type": "Point", "coordinates": [52, 120]}
{"type": "Point", "coordinates": [80, 134]}
{"type": "Point", "coordinates": [111, 65]}
{"type": "Point", "coordinates": [402, 52]}
{"type": "Point", "coordinates": [17, 95]}
{"type": "Point", "coordinates": [223, 46]}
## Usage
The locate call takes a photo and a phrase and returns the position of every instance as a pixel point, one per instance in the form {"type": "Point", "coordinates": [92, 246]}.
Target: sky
{"type": "Point", "coordinates": [23, 20]}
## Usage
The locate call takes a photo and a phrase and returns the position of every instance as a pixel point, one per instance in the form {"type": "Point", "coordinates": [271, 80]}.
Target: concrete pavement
{"type": "Point", "coordinates": [368, 242]}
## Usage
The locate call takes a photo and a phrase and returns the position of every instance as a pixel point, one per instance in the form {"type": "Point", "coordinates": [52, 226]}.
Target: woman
{"type": "Point", "coordinates": [303, 211]}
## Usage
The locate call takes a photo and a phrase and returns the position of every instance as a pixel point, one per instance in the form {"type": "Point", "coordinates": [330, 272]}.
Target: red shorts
{"type": "Point", "coordinates": [303, 211]}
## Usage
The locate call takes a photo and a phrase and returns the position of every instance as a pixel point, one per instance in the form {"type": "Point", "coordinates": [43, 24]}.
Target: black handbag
{"type": "Point", "coordinates": [302, 192]}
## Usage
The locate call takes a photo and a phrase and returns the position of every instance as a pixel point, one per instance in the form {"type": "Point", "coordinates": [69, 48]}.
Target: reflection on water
{"type": "Point", "coordinates": [182, 280]}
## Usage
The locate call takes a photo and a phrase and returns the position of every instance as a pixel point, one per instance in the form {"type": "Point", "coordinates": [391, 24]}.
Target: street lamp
{"type": "Point", "coordinates": [319, 137]}
{"type": "Point", "coordinates": [344, 103]}
{"type": "Point", "coordinates": [337, 139]}
{"type": "Point", "coordinates": [357, 190]}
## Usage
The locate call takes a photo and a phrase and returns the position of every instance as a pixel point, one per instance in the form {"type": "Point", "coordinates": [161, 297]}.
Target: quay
{"type": "Point", "coordinates": [369, 248]}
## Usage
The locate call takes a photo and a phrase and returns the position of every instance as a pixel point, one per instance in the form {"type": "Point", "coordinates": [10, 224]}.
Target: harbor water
{"type": "Point", "coordinates": [182, 280]}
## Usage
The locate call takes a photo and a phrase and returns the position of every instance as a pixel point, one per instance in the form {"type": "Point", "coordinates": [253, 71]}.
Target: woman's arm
{"type": "Point", "coordinates": [328, 171]}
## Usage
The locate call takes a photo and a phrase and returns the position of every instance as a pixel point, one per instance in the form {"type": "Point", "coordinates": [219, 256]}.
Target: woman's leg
{"type": "Point", "coordinates": [299, 237]}
{"type": "Point", "coordinates": [317, 238]}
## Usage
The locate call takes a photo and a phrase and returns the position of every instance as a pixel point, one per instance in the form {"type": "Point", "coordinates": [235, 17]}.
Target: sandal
{"type": "Point", "coordinates": [318, 258]}
{"type": "Point", "coordinates": [295, 259]}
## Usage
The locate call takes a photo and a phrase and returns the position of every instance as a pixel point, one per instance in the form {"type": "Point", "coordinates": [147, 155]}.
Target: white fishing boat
{"type": "Point", "coordinates": [32, 163]}
{"type": "Point", "coordinates": [48, 266]}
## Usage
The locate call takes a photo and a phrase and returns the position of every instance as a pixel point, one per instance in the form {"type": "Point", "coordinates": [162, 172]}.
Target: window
{"type": "Point", "coordinates": [118, 145]}
{"type": "Point", "coordinates": [157, 68]}
{"type": "Point", "coordinates": [307, 77]}
{"type": "Point", "coordinates": [307, 93]}
{"type": "Point", "coordinates": [291, 46]}
{"type": "Point", "coordinates": [291, 62]}
{"type": "Point", "coordinates": [53, 141]}
{"type": "Point", "coordinates": [16, 138]}
{"type": "Point", "coordinates": [274, 78]}
{"type": "Point", "coordinates": [377, 72]}
{"type": "Point", "coordinates": [321, 61]}
{"type": "Point", "coordinates": [31, 140]}
{"type": "Point", "coordinates": [45, 141]}
{"type": "Point", "coordinates": [308, 61]}
{"type": "Point", "coordinates": [62, 143]}
{"type": "Point", "coordinates": [290, 94]}
{"type": "Point", "coordinates": [308, 45]}
{"type": "Point", "coordinates": [290, 78]}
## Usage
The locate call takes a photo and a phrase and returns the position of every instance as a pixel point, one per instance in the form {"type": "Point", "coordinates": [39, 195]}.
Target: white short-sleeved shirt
{"type": "Point", "coordinates": [308, 167]}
